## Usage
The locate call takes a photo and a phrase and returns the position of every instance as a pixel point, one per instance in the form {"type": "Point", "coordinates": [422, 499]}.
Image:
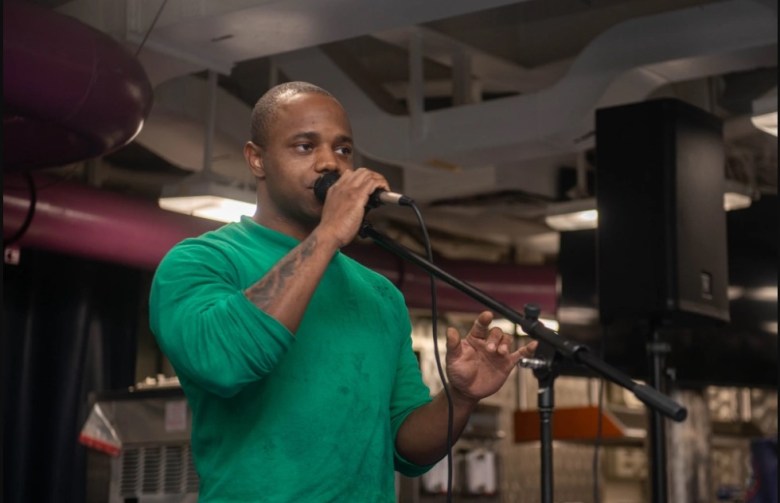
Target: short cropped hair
{"type": "Point", "coordinates": [266, 107]}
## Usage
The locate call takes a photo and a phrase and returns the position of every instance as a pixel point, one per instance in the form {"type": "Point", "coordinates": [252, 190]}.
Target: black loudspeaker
{"type": "Point", "coordinates": [661, 238]}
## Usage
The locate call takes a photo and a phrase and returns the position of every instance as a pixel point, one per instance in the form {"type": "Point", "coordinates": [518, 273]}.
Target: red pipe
{"type": "Point", "coordinates": [512, 284]}
{"type": "Point", "coordinates": [96, 224]}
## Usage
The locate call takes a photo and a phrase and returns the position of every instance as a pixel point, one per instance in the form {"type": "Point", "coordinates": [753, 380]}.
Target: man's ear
{"type": "Point", "coordinates": [254, 158]}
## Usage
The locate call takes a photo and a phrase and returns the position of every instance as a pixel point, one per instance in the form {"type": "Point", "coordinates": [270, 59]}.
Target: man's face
{"type": "Point", "coordinates": [309, 135]}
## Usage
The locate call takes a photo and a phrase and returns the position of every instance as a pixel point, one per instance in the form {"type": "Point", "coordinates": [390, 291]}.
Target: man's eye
{"type": "Point", "coordinates": [304, 147]}
{"type": "Point", "coordinates": [347, 151]}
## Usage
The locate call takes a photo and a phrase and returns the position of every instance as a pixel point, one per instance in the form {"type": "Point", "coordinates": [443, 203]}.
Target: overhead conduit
{"type": "Point", "coordinates": [80, 220]}
{"type": "Point", "coordinates": [624, 64]}
{"type": "Point", "coordinates": [71, 92]}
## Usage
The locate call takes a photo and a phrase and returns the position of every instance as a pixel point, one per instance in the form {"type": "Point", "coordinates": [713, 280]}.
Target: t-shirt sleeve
{"type": "Point", "coordinates": [409, 393]}
{"type": "Point", "coordinates": [212, 334]}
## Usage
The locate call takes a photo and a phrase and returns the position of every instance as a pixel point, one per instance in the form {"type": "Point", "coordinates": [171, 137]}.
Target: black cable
{"type": "Point", "coordinates": [434, 317]}
{"type": "Point", "coordinates": [33, 190]}
{"type": "Point", "coordinates": [30, 212]}
{"type": "Point", "coordinates": [151, 27]}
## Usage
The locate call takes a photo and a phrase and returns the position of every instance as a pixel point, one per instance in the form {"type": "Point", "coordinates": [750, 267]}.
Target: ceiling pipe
{"type": "Point", "coordinates": [71, 92]}
{"type": "Point", "coordinates": [95, 224]}
{"type": "Point", "coordinates": [622, 65]}
{"type": "Point", "coordinates": [514, 285]}
{"type": "Point", "coordinates": [80, 220]}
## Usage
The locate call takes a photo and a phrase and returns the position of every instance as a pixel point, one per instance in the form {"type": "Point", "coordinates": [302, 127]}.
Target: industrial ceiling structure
{"type": "Point", "coordinates": [483, 112]}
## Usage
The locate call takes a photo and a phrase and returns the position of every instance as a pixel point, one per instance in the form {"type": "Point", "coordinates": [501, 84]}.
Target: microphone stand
{"type": "Point", "coordinates": [545, 368]}
{"type": "Point", "coordinates": [551, 349]}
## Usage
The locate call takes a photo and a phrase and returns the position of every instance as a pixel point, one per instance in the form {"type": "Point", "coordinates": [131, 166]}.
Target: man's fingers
{"type": "Point", "coordinates": [527, 351]}
{"type": "Point", "coordinates": [481, 328]}
{"type": "Point", "coordinates": [530, 348]}
{"type": "Point", "coordinates": [453, 341]}
{"type": "Point", "coordinates": [505, 345]}
{"type": "Point", "coordinates": [494, 338]}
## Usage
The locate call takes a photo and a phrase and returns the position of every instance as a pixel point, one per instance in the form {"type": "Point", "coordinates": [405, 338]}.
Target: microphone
{"type": "Point", "coordinates": [377, 198]}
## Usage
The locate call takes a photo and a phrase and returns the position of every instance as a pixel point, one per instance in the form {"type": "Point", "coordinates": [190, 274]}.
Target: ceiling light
{"type": "Point", "coordinates": [766, 122]}
{"type": "Point", "coordinates": [737, 196]}
{"type": "Point", "coordinates": [573, 215]}
{"type": "Point", "coordinates": [762, 294]}
{"type": "Point", "coordinates": [208, 196]}
{"type": "Point", "coordinates": [765, 113]}
{"type": "Point", "coordinates": [735, 201]}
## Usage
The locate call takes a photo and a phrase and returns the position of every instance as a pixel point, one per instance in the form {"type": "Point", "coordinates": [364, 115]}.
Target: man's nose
{"type": "Point", "coordinates": [330, 160]}
{"type": "Point", "coordinates": [326, 160]}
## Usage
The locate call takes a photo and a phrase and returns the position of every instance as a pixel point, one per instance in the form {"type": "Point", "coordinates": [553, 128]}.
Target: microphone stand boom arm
{"type": "Point", "coordinates": [534, 328]}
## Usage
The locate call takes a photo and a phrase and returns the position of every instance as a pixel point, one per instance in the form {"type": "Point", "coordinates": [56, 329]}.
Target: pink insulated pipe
{"type": "Point", "coordinates": [80, 220]}
{"type": "Point", "coordinates": [97, 224]}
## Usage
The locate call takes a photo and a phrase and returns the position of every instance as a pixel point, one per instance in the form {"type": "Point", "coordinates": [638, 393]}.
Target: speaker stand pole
{"type": "Point", "coordinates": [657, 351]}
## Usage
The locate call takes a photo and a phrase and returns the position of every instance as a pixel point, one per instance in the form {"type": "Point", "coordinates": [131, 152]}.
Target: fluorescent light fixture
{"type": "Point", "coordinates": [765, 113]}
{"type": "Point", "coordinates": [737, 196]}
{"type": "Point", "coordinates": [766, 122]}
{"type": "Point", "coordinates": [759, 294]}
{"type": "Point", "coordinates": [736, 201]}
{"type": "Point", "coordinates": [762, 294]}
{"type": "Point", "coordinates": [735, 292]}
{"type": "Point", "coordinates": [573, 215]}
{"type": "Point", "coordinates": [572, 315]}
{"type": "Point", "coordinates": [208, 197]}
{"type": "Point", "coordinates": [586, 219]}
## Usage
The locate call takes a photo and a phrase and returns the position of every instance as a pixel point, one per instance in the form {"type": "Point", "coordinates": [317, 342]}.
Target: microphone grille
{"type": "Point", "coordinates": [324, 183]}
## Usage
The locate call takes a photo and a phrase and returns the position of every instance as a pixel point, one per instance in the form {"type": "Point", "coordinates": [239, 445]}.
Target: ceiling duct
{"type": "Point", "coordinates": [71, 92]}
{"type": "Point", "coordinates": [624, 64]}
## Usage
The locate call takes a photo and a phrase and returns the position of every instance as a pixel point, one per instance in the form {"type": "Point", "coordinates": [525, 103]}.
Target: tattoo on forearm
{"type": "Point", "coordinates": [263, 293]}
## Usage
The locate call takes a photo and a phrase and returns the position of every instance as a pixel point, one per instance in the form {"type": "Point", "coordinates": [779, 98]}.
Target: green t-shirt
{"type": "Point", "coordinates": [283, 418]}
